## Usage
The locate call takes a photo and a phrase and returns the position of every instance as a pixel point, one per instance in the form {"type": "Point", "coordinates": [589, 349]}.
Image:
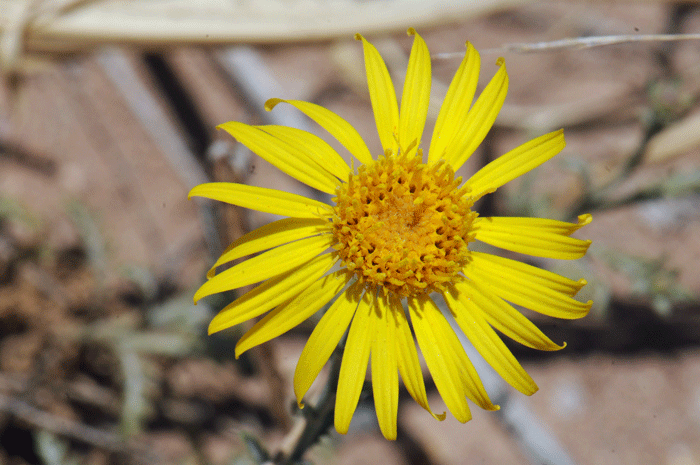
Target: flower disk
{"type": "Point", "coordinates": [403, 225]}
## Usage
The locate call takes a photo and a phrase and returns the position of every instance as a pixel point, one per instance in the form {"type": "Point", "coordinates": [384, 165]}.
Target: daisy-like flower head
{"type": "Point", "coordinates": [398, 231]}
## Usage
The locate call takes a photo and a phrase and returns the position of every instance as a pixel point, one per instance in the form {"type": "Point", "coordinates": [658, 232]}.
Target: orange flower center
{"type": "Point", "coordinates": [403, 225]}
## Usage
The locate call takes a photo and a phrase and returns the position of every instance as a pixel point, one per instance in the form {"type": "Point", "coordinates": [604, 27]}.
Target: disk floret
{"type": "Point", "coordinates": [403, 225]}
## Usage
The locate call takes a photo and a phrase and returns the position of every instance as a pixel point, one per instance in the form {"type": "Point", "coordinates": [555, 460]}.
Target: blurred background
{"type": "Point", "coordinates": [107, 118]}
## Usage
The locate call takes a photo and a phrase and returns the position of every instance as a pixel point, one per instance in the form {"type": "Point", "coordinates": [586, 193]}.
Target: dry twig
{"type": "Point", "coordinates": [577, 43]}
{"type": "Point", "coordinates": [59, 425]}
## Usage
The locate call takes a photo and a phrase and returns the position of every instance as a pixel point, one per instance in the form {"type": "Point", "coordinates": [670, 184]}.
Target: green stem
{"type": "Point", "coordinates": [319, 419]}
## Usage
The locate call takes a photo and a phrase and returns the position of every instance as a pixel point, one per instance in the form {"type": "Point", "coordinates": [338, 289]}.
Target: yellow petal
{"type": "Point", "coordinates": [266, 265]}
{"type": "Point", "coordinates": [385, 375]}
{"type": "Point", "coordinates": [522, 274]}
{"type": "Point", "coordinates": [533, 236]}
{"type": "Point", "coordinates": [562, 228]}
{"type": "Point", "coordinates": [271, 293]}
{"type": "Point", "coordinates": [453, 113]}
{"type": "Point", "coordinates": [438, 357]}
{"type": "Point", "coordinates": [315, 148]}
{"type": "Point", "coordinates": [416, 95]}
{"type": "Point", "coordinates": [518, 161]}
{"type": "Point", "coordinates": [473, 388]}
{"type": "Point", "coordinates": [271, 235]}
{"type": "Point", "coordinates": [469, 318]}
{"type": "Point", "coordinates": [505, 318]}
{"type": "Point", "coordinates": [354, 365]}
{"type": "Point", "coordinates": [409, 365]}
{"type": "Point", "coordinates": [521, 290]}
{"type": "Point", "coordinates": [324, 339]}
{"type": "Point", "coordinates": [382, 95]}
{"type": "Point", "coordinates": [480, 118]}
{"type": "Point", "coordinates": [289, 158]}
{"type": "Point", "coordinates": [293, 312]}
{"type": "Point", "coordinates": [262, 199]}
{"type": "Point", "coordinates": [334, 124]}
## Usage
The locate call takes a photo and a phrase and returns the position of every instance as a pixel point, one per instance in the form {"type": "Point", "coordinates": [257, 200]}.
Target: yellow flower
{"type": "Point", "coordinates": [399, 229]}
